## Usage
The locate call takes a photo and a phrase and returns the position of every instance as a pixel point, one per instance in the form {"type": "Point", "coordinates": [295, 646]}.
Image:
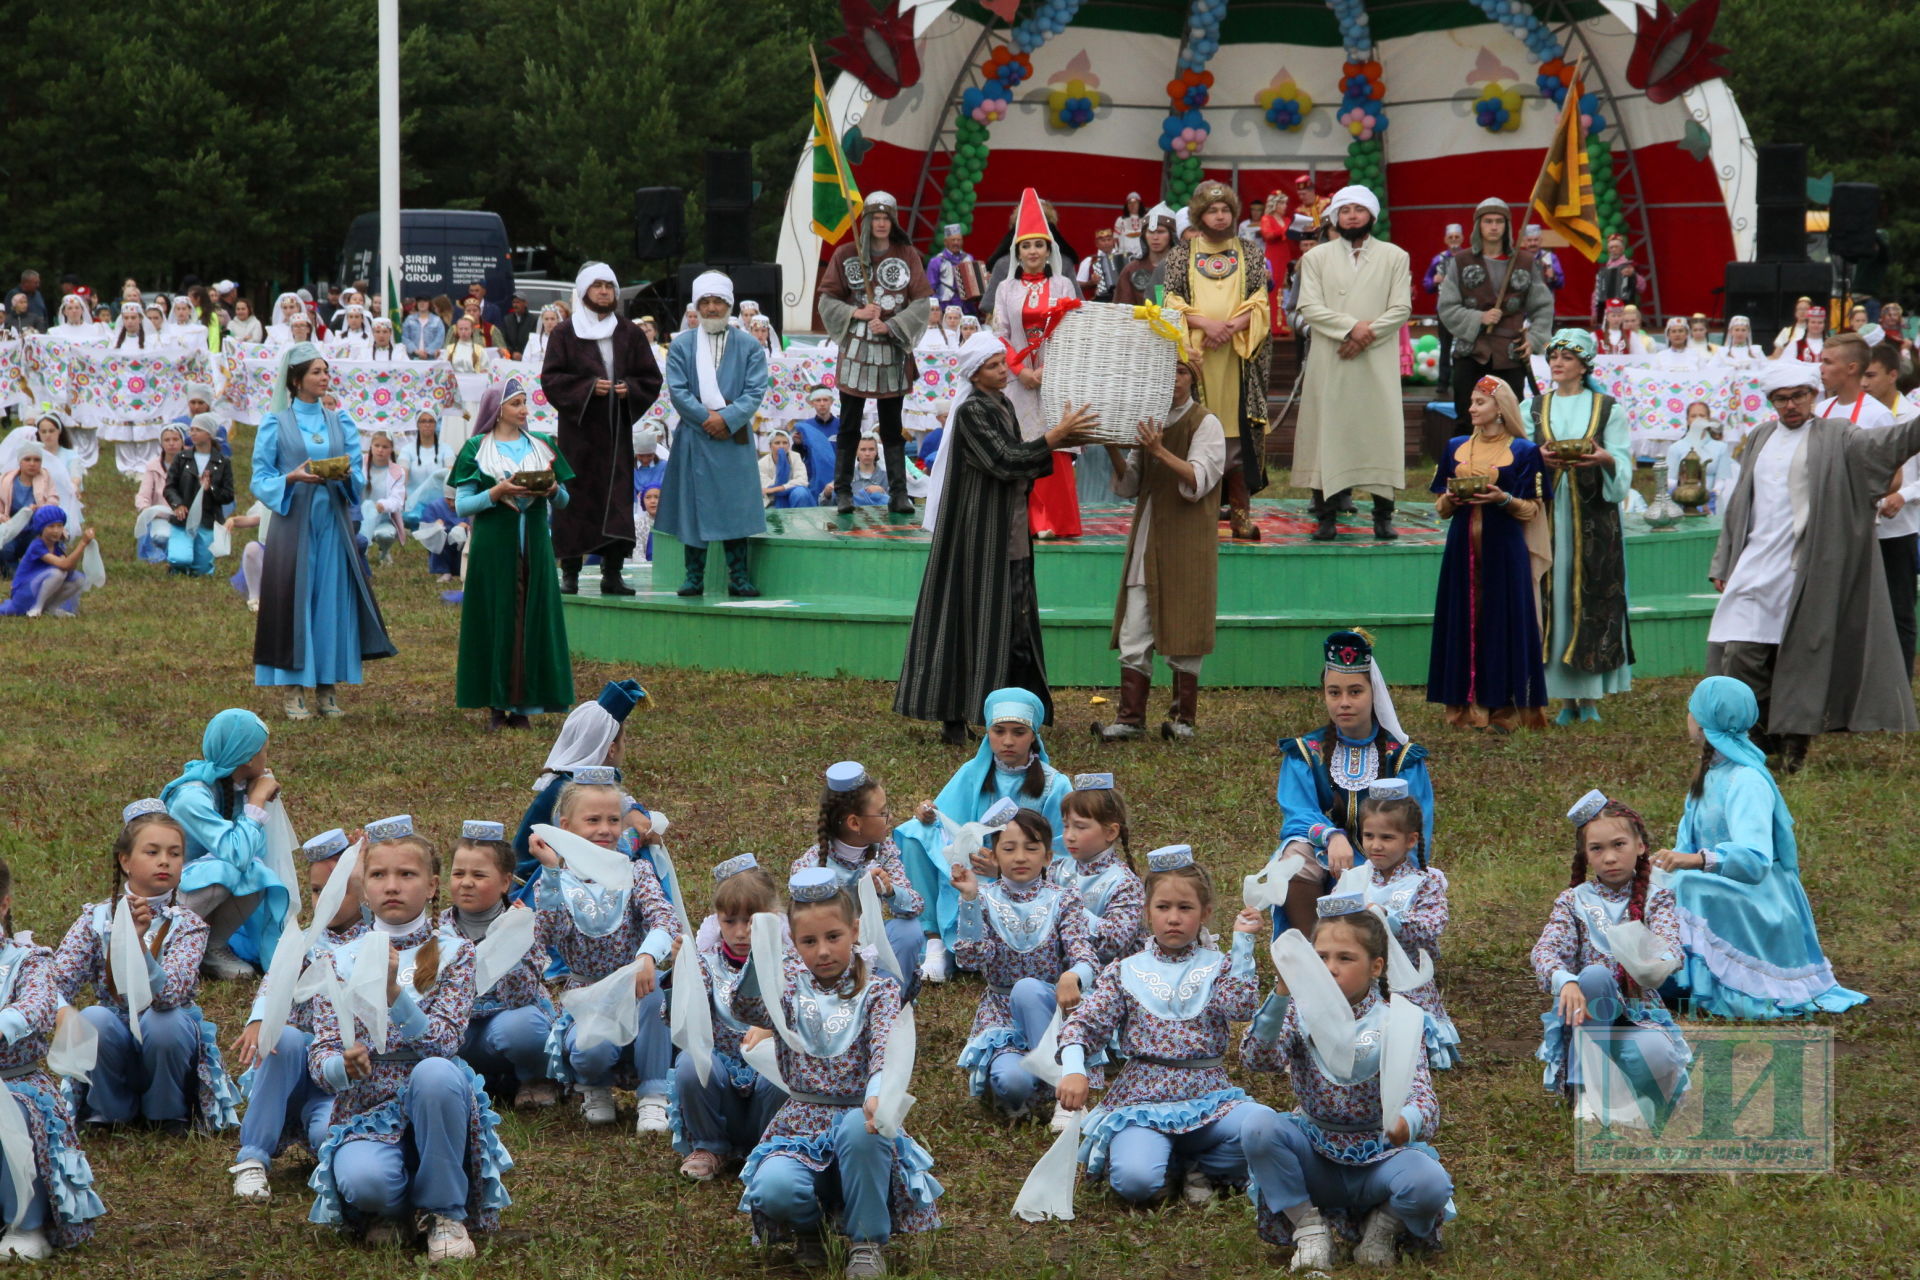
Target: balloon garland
{"type": "Point", "coordinates": [1285, 105]}
{"type": "Point", "coordinates": [1183, 134]}
{"type": "Point", "coordinates": [1498, 108]}
{"type": "Point", "coordinates": [1363, 111]}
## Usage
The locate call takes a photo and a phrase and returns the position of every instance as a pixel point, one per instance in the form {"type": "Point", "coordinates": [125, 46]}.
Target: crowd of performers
{"type": "Point", "coordinates": [442, 977]}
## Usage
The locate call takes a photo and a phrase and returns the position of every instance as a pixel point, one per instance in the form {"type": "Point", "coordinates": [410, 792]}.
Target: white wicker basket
{"type": "Point", "coordinates": [1100, 355]}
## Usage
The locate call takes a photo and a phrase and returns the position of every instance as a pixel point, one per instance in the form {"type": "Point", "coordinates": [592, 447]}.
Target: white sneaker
{"type": "Point", "coordinates": [250, 1181]}
{"type": "Point", "coordinates": [1198, 1188]}
{"type": "Point", "coordinates": [1312, 1243]}
{"type": "Point", "coordinates": [653, 1115]}
{"type": "Point", "coordinates": [223, 965]}
{"type": "Point", "coordinates": [596, 1103]}
{"type": "Point", "coordinates": [27, 1246]}
{"type": "Point", "coordinates": [1060, 1118]}
{"type": "Point", "coordinates": [935, 967]}
{"type": "Point", "coordinates": [865, 1261]}
{"type": "Point", "coordinates": [253, 606]}
{"type": "Point", "coordinates": [447, 1239]}
{"type": "Point", "coordinates": [1380, 1242]}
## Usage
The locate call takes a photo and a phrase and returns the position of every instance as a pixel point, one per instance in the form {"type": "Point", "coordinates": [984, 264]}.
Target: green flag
{"type": "Point", "coordinates": [836, 196]}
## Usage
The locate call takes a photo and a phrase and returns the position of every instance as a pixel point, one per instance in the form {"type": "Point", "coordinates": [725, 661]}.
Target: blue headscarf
{"type": "Point", "coordinates": [960, 796]}
{"type": "Point", "coordinates": [1725, 709]}
{"type": "Point", "coordinates": [44, 516]}
{"type": "Point", "coordinates": [1580, 344]}
{"type": "Point", "coordinates": [233, 737]}
{"type": "Point", "coordinates": [297, 353]}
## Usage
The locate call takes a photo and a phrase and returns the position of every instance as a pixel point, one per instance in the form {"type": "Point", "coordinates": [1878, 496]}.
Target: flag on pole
{"type": "Point", "coordinates": [1563, 194]}
{"type": "Point", "coordinates": [836, 196]}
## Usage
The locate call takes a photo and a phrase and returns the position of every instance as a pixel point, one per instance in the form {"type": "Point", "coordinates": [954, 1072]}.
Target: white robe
{"type": "Point", "coordinates": [1352, 432]}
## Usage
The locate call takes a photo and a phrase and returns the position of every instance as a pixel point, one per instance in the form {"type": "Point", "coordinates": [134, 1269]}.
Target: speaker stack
{"type": "Point", "coordinates": [729, 207]}
{"type": "Point", "coordinates": [1766, 289]}
{"type": "Point", "coordinates": [659, 223]}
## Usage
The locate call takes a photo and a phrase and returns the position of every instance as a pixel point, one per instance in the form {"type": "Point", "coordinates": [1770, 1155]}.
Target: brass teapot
{"type": "Point", "coordinates": [1691, 490]}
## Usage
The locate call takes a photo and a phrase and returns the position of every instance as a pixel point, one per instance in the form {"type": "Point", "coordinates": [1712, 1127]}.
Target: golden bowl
{"type": "Point", "coordinates": [1578, 447]}
{"type": "Point", "coordinates": [537, 481]}
{"type": "Point", "coordinates": [335, 468]}
{"type": "Point", "coordinates": [1461, 488]}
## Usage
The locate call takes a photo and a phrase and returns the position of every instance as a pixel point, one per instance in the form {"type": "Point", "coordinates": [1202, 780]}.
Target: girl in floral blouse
{"type": "Point", "coordinates": [1099, 864]}
{"type": "Point", "coordinates": [854, 835]}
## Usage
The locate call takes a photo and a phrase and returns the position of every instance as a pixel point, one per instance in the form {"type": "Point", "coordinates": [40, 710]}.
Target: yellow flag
{"type": "Point", "coordinates": [836, 196]}
{"type": "Point", "coordinates": [1563, 194]}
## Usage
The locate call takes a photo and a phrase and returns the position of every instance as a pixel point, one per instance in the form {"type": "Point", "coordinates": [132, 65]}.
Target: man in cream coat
{"type": "Point", "coordinates": [1355, 293]}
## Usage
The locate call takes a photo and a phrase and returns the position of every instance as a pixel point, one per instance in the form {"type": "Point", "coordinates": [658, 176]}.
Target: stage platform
{"type": "Point", "coordinates": [839, 593]}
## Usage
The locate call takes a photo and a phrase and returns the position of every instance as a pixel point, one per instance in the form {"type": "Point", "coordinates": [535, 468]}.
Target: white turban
{"type": "Point", "coordinates": [1356, 194]}
{"type": "Point", "coordinates": [1782, 375]}
{"type": "Point", "coordinates": [587, 322]}
{"type": "Point", "coordinates": [974, 352]}
{"type": "Point", "coordinates": [713, 284]}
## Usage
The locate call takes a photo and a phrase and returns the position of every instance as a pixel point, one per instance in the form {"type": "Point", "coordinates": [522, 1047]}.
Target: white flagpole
{"type": "Point", "coordinates": [391, 271]}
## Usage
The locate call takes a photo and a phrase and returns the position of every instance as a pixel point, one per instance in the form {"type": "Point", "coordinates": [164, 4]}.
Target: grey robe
{"type": "Point", "coordinates": [1839, 661]}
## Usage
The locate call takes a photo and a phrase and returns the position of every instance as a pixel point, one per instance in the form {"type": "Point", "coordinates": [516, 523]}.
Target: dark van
{"type": "Point", "coordinates": [445, 251]}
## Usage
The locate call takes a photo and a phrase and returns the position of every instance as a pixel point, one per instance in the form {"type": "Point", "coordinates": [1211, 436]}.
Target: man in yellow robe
{"type": "Point", "coordinates": [1220, 283]}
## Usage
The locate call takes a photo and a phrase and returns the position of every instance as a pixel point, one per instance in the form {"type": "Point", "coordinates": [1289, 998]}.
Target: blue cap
{"type": "Point", "coordinates": [475, 829]}
{"type": "Point", "coordinates": [1013, 710]}
{"type": "Point", "coordinates": [1389, 789]}
{"type": "Point", "coordinates": [734, 866]}
{"type": "Point", "coordinates": [1093, 782]}
{"type": "Point", "coordinates": [812, 884]}
{"type": "Point", "coordinates": [999, 813]}
{"type": "Point", "coordinates": [140, 809]}
{"type": "Point", "coordinates": [401, 824]}
{"type": "Point", "coordinates": [846, 776]}
{"type": "Point", "coordinates": [1170, 858]}
{"type": "Point", "coordinates": [328, 844]}
{"type": "Point", "coordinates": [619, 697]}
{"type": "Point", "coordinates": [1587, 807]}
{"type": "Point", "coordinates": [597, 775]}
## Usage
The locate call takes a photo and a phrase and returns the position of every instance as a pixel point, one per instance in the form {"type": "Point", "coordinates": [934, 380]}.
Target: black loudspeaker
{"type": "Point", "coordinates": [1780, 233]}
{"type": "Point", "coordinates": [659, 222]}
{"type": "Point", "coordinates": [760, 281]}
{"type": "Point", "coordinates": [729, 236]}
{"type": "Point", "coordinates": [1806, 280]}
{"type": "Point", "coordinates": [1753, 290]}
{"type": "Point", "coordinates": [1853, 220]}
{"type": "Point", "coordinates": [729, 179]}
{"type": "Point", "coordinates": [1782, 174]}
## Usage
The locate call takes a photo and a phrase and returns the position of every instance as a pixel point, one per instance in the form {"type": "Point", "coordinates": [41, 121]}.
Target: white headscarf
{"type": "Point", "coordinates": [587, 322]}
{"type": "Point", "coordinates": [974, 352]}
{"type": "Point", "coordinates": [1355, 194]}
{"type": "Point", "coordinates": [584, 738]}
{"type": "Point", "coordinates": [277, 327]}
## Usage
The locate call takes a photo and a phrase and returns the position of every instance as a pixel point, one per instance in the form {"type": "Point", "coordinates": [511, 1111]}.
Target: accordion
{"type": "Point", "coordinates": [972, 279]}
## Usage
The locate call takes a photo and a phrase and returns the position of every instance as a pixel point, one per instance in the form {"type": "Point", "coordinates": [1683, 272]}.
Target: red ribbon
{"type": "Point", "coordinates": [1055, 310]}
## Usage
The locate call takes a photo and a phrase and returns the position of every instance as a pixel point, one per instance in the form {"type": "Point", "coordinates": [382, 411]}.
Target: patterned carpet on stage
{"type": "Point", "coordinates": [1282, 524]}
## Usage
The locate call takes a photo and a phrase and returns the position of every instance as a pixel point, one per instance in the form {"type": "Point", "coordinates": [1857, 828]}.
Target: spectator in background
{"type": "Point", "coordinates": [246, 325]}
{"type": "Point", "coordinates": [422, 333]}
{"type": "Point", "coordinates": [226, 296]}
{"type": "Point", "coordinates": [1100, 270]}
{"type": "Point", "coordinates": [1533, 240]}
{"type": "Point", "coordinates": [1618, 280]}
{"type": "Point", "coordinates": [516, 326]}
{"type": "Point", "coordinates": [20, 319]}
{"type": "Point", "coordinates": [36, 308]}
{"type": "Point", "coordinates": [815, 439]}
{"type": "Point", "coordinates": [1455, 237]}
{"type": "Point", "coordinates": [485, 334]}
{"type": "Point", "coordinates": [443, 309]}
{"type": "Point", "coordinates": [551, 315]}
{"type": "Point", "coordinates": [489, 312]}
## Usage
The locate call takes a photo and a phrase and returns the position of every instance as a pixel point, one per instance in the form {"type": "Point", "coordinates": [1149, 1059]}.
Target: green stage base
{"type": "Point", "coordinates": [839, 591]}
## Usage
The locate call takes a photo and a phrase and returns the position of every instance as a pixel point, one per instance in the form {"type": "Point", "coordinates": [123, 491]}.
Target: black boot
{"type": "Point", "coordinates": [738, 583]}
{"type": "Point", "coordinates": [570, 575]}
{"type": "Point", "coordinates": [695, 583]}
{"type": "Point", "coordinates": [898, 503]}
{"type": "Point", "coordinates": [843, 474]}
{"type": "Point", "coordinates": [1383, 519]}
{"type": "Point", "coordinates": [1323, 508]}
{"type": "Point", "coordinates": [611, 583]}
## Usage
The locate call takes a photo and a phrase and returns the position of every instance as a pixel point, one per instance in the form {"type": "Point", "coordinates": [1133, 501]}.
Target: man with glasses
{"type": "Point", "coordinates": [1803, 618]}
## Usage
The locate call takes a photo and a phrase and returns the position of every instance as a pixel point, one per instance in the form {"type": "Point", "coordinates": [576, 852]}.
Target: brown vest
{"type": "Point", "coordinates": [1494, 346]}
{"type": "Point", "coordinates": [1183, 551]}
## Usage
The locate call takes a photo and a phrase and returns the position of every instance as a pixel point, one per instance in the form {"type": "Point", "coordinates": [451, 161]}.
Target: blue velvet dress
{"type": "Point", "coordinates": [1487, 650]}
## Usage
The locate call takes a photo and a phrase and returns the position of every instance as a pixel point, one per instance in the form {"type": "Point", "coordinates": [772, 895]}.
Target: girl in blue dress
{"type": "Point", "coordinates": [318, 619]}
{"type": "Point", "coordinates": [852, 837]}
{"type": "Point", "coordinates": [1011, 764]}
{"type": "Point", "coordinates": [1751, 947]}
{"type": "Point", "coordinates": [1099, 866]}
{"type": "Point", "coordinates": [1488, 668]}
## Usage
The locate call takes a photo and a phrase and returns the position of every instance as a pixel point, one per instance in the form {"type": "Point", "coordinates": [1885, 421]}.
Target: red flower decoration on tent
{"type": "Point", "coordinates": [1190, 89]}
{"type": "Point", "coordinates": [1673, 54]}
{"type": "Point", "coordinates": [877, 48]}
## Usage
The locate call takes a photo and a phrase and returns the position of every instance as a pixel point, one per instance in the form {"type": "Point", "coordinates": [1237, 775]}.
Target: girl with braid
{"type": "Point", "coordinates": [854, 834]}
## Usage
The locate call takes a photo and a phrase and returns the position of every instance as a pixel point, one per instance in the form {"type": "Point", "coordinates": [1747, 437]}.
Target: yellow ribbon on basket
{"type": "Point", "coordinates": [1165, 323]}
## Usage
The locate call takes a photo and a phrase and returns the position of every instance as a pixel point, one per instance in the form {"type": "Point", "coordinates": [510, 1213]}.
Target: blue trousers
{"type": "Point", "coordinates": [1138, 1159]}
{"type": "Point", "coordinates": [1012, 1085]}
{"type": "Point", "coordinates": [151, 1080]}
{"type": "Point", "coordinates": [909, 943]}
{"type": "Point", "coordinates": [510, 1045]}
{"type": "Point", "coordinates": [790, 1193]}
{"type": "Point", "coordinates": [651, 1050]}
{"type": "Point", "coordinates": [1649, 1058]}
{"type": "Point", "coordinates": [798, 496]}
{"type": "Point", "coordinates": [281, 1084]}
{"type": "Point", "coordinates": [929, 878]}
{"type": "Point", "coordinates": [717, 1117]}
{"type": "Point", "coordinates": [36, 1215]}
{"type": "Point", "coordinates": [1290, 1172]}
{"type": "Point", "coordinates": [428, 1171]}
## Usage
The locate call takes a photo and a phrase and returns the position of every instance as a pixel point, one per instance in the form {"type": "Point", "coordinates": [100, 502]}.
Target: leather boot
{"type": "Point", "coordinates": [1323, 508]}
{"type": "Point", "coordinates": [739, 585]}
{"type": "Point", "coordinates": [843, 475]}
{"type": "Point", "coordinates": [1383, 529]}
{"type": "Point", "coordinates": [1178, 727]}
{"type": "Point", "coordinates": [1239, 517]}
{"type": "Point", "coordinates": [570, 575]}
{"type": "Point", "coordinates": [898, 503]}
{"type": "Point", "coordinates": [611, 583]}
{"type": "Point", "coordinates": [1132, 721]}
{"type": "Point", "coordinates": [695, 583]}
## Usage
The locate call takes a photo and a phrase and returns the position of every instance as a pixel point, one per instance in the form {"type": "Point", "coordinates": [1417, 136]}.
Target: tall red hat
{"type": "Point", "coordinates": [1030, 221]}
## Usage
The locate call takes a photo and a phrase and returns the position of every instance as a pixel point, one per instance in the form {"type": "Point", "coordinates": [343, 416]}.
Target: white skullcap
{"type": "Point", "coordinates": [1355, 194]}
{"type": "Point", "coordinates": [1782, 375]}
{"type": "Point", "coordinates": [713, 284]}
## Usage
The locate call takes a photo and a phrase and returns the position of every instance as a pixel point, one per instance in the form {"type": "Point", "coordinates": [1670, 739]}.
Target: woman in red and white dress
{"type": "Point", "coordinates": [1020, 310]}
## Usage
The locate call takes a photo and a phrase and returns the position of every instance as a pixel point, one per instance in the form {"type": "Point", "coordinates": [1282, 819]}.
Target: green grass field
{"type": "Point", "coordinates": [104, 709]}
